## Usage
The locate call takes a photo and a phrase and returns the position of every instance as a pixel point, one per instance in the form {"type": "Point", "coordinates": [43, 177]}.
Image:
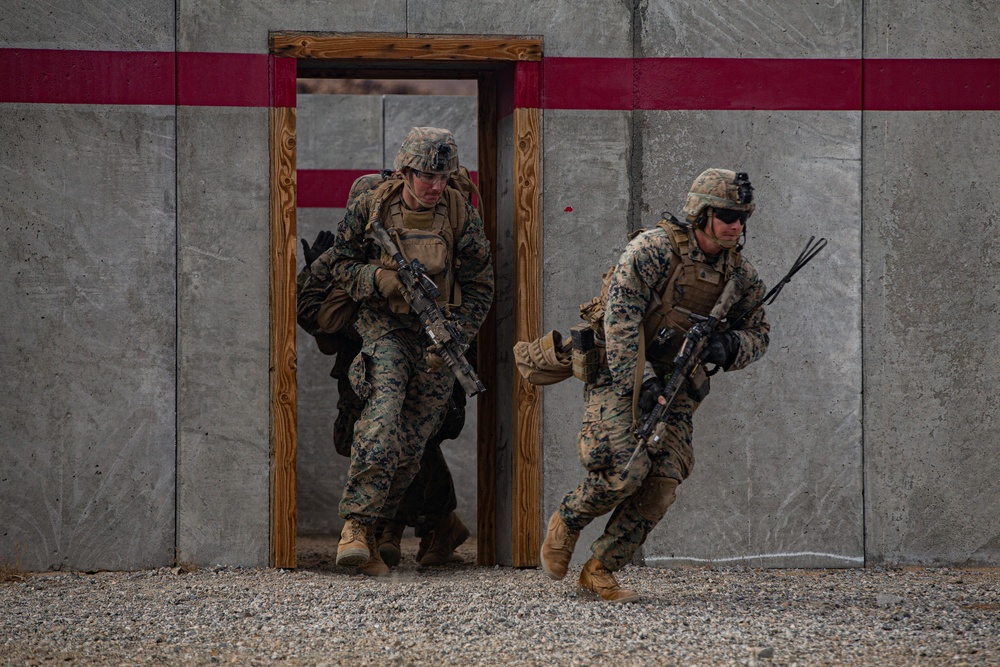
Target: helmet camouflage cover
{"type": "Point", "coordinates": [430, 149]}
{"type": "Point", "coordinates": [719, 189]}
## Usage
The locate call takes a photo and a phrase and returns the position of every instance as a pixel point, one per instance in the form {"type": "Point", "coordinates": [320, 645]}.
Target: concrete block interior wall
{"type": "Point", "coordinates": [134, 197]}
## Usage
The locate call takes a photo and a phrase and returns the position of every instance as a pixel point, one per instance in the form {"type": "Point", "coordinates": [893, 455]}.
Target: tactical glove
{"type": "Point", "coordinates": [649, 393]}
{"type": "Point", "coordinates": [721, 349]}
{"type": "Point", "coordinates": [433, 360]}
{"type": "Point", "coordinates": [387, 283]}
{"type": "Point", "coordinates": [322, 243]}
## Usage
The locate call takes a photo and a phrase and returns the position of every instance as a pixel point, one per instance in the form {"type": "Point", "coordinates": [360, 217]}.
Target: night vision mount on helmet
{"type": "Point", "coordinates": [428, 149]}
{"type": "Point", "coordinates": [716, 189]}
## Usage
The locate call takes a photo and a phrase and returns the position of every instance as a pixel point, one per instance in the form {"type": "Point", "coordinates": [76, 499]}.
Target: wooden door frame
{"type": "Point", "coordinates": [483, 54]}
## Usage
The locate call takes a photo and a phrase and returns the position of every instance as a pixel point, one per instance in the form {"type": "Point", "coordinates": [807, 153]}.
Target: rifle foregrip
{"type": "Point", "coordinates": [464, 373]}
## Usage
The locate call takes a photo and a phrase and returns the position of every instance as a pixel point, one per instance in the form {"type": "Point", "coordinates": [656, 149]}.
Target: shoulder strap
{"type": "Point", "coordinates": [461, 180]}
{"type": "Point", "coordinates": [679, 243]}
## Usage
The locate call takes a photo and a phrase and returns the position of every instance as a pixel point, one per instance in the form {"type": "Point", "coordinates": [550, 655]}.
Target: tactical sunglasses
{"type": "Point", "coordinates": [729, 216]}
{"type": "Point", "coordinates": [429, 177]}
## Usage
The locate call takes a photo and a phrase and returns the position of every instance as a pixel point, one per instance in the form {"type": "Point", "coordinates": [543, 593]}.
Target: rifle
{"type": "Point", "coordinates": [685, 364]}
{"type": "Point", "coordinates": [421, 293]}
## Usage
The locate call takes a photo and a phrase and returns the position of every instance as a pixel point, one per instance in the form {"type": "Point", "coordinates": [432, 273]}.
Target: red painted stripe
{"type": "Point", "coordinates": [257, 80]}
{"type": "Point", "coordinates": [932, 85]}
{"type": "Point", "coordinates": [587, 83]}
{"type": "Point", "coordinates": [328, 188]}
{"type": "Point", "coordinates": [283, 78]}
{"type": "Point", "coordinates": [117, 77]}
{"type": "Point", "coordinates": [527, 85]}
{"type": "Point", "coordinates": [223, 80]}
{"type": "Point", "coordinates": [748, 83]}
{"type": "Point", "coordinates": [44, 76]}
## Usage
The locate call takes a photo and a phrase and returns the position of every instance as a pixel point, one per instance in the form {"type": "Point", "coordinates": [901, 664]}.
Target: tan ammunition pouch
{"type": "Point", "coordinates": [589, 353]}
{"type": "Point", "coordinates": [545, 360]}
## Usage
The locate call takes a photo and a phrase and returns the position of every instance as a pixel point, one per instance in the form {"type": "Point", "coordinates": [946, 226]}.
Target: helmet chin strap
{"type": "Point", "coordinates": [707, 230]}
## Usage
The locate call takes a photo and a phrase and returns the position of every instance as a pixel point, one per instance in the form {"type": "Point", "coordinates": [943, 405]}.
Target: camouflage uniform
{"type": "Point", "coordinates": [605, 442]}
{"type": "Point", "coordinates": [405, 401]}
{"type": "Point", "coordinates": [431, 495]}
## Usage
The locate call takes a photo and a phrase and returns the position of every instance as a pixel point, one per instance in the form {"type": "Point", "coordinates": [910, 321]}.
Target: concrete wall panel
{"type": "Point", "coordinates": [931, 303]}
{"type": "Point", "coordinates": [777, 445]}
{"type": "Point", "coordinates": [750, 29]}
{"type": "Point", "coordinates": [596, 28]}
{"type": "Point", "coordinates": [113, 25]}
{"type": "Point", "coordinates": [931, 349]}
{"type": "Point", "coordinates": [244, 27]}
{"type": "Point", "coordinates": [339, 132]}
{"type": "Point", "coordinates": [87, 346]}
{"type": "Point", "coordinates": [908, 29]}
{"type": "Point", "coordinates": [223, 336]}
{"type": "Point", "coordinates": [151, 274]}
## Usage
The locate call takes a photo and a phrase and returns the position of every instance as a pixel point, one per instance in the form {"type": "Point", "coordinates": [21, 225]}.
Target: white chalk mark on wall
{"type": "Point", "coordinates": [795, 554]}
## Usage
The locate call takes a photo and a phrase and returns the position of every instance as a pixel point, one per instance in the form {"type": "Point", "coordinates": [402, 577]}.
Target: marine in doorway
{"type": "Point", "coordinates": [399, 377]}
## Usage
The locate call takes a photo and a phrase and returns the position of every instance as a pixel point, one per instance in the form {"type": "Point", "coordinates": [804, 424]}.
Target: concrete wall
{"type": "Point", "coordinates": [778, 473]}
{"type": "Point", "coordinates": [135, 343]}
{"type": "Point", "coordinates": [87, 346]}
{"type": "Point", "coordinates": [931, 304]}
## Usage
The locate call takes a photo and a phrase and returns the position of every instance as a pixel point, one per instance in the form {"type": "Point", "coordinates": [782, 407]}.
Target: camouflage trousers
{"type": "Point", "coordinates": [405, 403]}
{"type": "Point", "coordinates": [640, 500]}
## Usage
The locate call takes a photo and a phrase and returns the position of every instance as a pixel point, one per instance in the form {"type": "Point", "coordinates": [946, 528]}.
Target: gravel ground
{"type": "Point", "coordinates": [466, 615]}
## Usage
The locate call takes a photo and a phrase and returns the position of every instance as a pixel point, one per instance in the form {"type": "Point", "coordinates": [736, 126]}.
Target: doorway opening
{"type": "Point", "coordinates": [346, 128]}
{"type": "Point", "coordinates": [505, 467]}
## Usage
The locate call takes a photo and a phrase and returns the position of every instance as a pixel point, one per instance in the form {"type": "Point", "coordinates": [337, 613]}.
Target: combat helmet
{"type": "Point", "coordinates": [718, 189]}
{"type": "Point", "coordinates": [429, 149]}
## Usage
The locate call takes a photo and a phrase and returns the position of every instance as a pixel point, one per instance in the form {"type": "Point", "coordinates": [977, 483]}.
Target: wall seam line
{"type": "Point", "coordinates": [861, 254]}
{"type": "Point", "coordinates": [177, 291]}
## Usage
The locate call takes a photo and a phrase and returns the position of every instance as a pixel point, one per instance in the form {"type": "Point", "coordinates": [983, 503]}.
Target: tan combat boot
{"type": "Point", "coordinates": [352, 550]}
{"type": "Point", "coordinates": [557, 549]}
{"type": "Point", "coordinates": [389, 541]}
{"type": "Point", "coordinates": [596, 581]}
{"type": "Point", "coordinates": [425, 541]}
{"type": "Point", "coordinates": [375, 567]}
{"type": "Point", "coordinates": [448, 535]}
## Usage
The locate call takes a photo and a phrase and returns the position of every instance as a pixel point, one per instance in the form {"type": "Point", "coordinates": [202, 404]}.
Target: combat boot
{"type": "Point", "coordinates": [352, 550]}
{"type": "Point", "coordinates": [425, 541]}
{"type": "Point", "coordinates": [596, 581]}
{"type": "Point", "coordinates": [389, 541]}
{"type": "Point", "coordinates": [557, 549]}
{"type": "Point", "coordinates": [375, 567]}
{"type": "Point", "coordinates": [448, 534]}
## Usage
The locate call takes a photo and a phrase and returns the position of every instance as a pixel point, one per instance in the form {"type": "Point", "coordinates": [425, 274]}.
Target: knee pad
{"type": "Point", "coordinates": [655, 495]}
